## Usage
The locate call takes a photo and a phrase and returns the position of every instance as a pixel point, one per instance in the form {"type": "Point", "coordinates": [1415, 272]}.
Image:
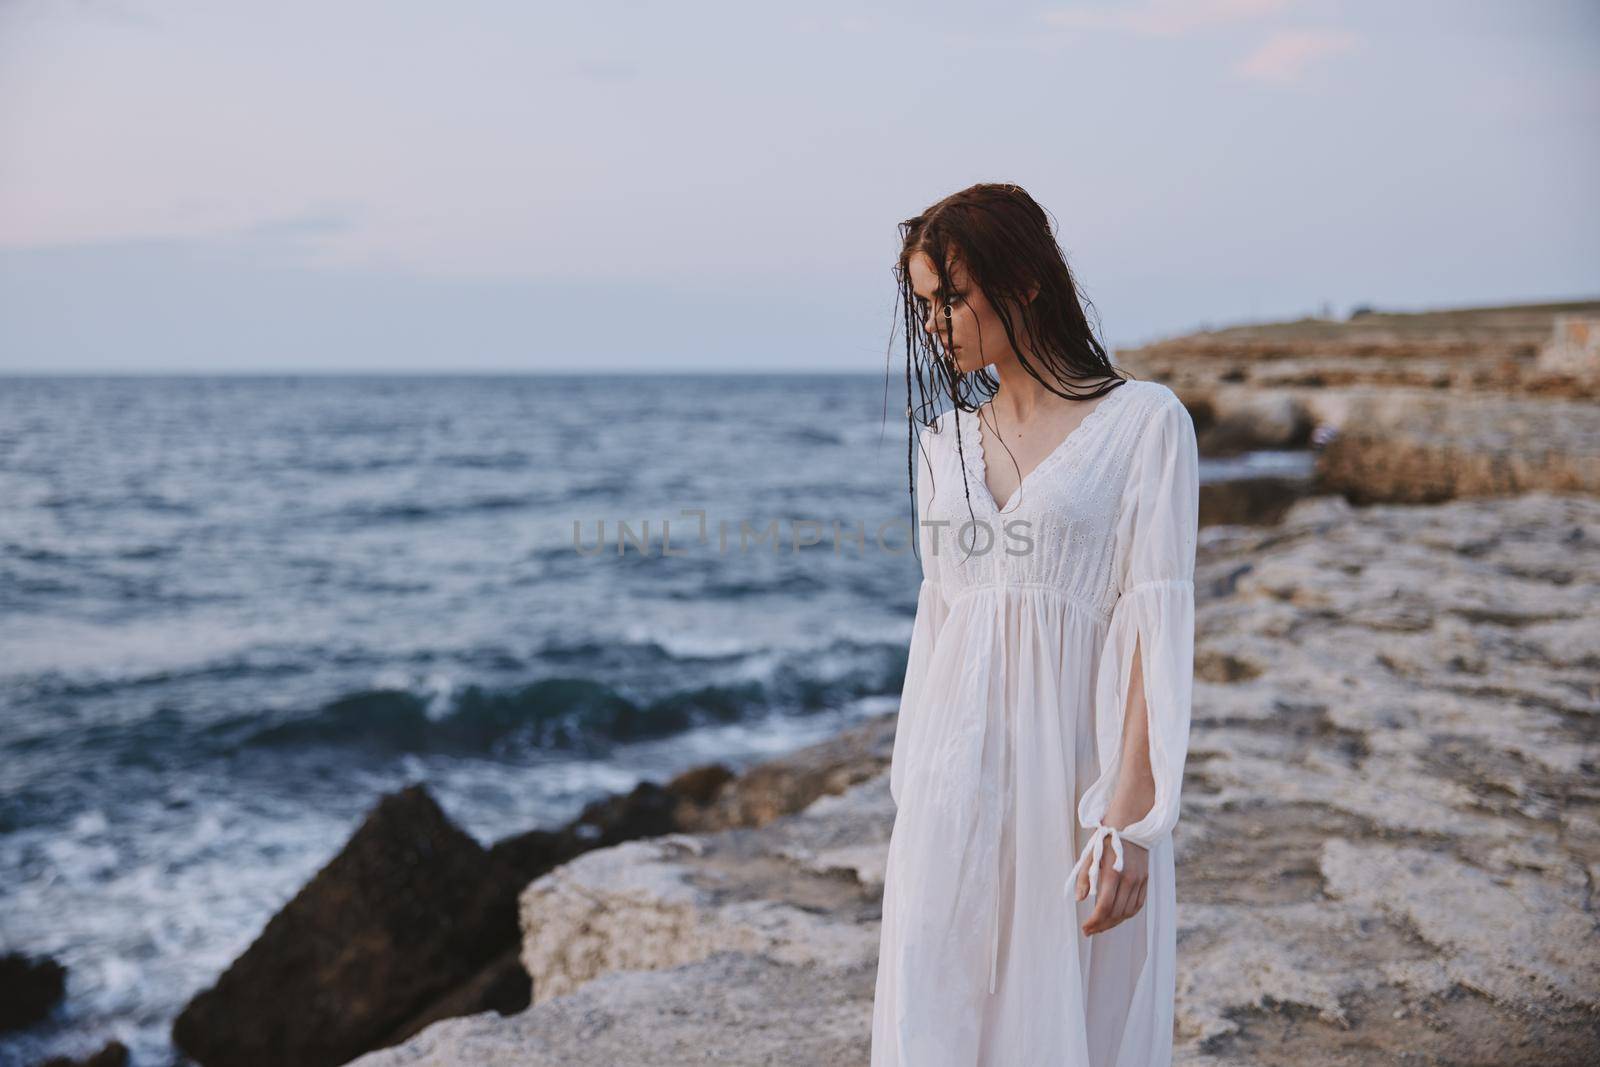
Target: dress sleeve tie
{"type": "Point", "coordinates": [1092, 853]}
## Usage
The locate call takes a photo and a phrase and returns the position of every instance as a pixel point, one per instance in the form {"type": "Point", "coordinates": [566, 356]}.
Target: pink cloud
{"type": "Point", "coordinates": [1286, 54]}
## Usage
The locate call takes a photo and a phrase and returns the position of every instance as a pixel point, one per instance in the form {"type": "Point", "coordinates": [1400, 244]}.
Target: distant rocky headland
{"type": "Point", "coordinates": [1403, 408]}
{"type": "Point", "coordinates": [1390, 844]}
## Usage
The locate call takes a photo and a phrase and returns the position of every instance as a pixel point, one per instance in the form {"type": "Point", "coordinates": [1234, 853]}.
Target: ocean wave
{"type": "Point", "coordinates": [554, 713]}
{"type": "Point", "coordinates": [505, 461]}
{"type": "Point", "coordinates": [421, 511]}
{"type": "Point", "coordinates": [575, 713]}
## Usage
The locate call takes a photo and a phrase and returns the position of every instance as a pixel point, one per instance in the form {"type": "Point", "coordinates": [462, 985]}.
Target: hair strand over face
{"type": "Point", "coordinates": [1003, 242]}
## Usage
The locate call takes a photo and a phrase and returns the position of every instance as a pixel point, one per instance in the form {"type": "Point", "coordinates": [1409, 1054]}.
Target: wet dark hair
{"type": "Point", "coordinates": [1004, 242]}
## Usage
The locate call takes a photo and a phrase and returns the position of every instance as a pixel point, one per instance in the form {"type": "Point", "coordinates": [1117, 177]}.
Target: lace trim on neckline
{"type": "Point", "coordinates": [977, 466]}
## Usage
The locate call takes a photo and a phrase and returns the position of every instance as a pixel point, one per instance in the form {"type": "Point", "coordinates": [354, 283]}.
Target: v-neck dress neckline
{"type": "Point", "coordinates": [977, 465]}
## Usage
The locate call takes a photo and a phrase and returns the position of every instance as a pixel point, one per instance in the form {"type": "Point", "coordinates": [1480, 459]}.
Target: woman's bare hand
{"type": "Point", "coordinates": [1118, 894]}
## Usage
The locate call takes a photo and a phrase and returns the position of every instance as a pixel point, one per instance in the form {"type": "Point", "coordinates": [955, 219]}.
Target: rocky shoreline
{"type": "Point", "coordinates": [414, 921]}
{"type": "Point", "coordinates": [1390, 843]}
{"type": "Point", "coordinates": [1391, 835]}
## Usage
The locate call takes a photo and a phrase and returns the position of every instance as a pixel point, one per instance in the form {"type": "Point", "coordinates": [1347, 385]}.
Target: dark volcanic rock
{"type": "Point", "coordinates": [410, 910]}
{"type": "Point", "coordinates": [502, 986]}
{"type": "Point", "coordinates": [648, 810]}
{"type": "Point", "coordinates": [33, 986]}
{"type": "Point", "coordinates": [412, 922]}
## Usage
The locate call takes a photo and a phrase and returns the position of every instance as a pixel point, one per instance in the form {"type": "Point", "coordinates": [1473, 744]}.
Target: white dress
{"type": "Point", "coordinates": [1010, 723]}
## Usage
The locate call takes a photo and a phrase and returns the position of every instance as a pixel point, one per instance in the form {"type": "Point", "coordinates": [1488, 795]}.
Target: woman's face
{"type": "Point", "coordinates": [971, 316]}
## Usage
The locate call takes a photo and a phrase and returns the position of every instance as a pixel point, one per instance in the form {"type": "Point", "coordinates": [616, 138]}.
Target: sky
{"type": "Point", "coordinates": [220, 187]}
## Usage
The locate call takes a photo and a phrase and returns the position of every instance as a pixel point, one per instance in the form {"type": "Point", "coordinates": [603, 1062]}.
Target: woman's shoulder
{"type": "Point", "coordinates": [1156, 395]}
{"type": "Point", "coordinates": [942, 426]}
{"type": "Point", "coordinates": [936, 439]}
{"type": "Point", "coordinates": [1151, 416]}
{"type": "Point", "coordinates": [1153, 400]}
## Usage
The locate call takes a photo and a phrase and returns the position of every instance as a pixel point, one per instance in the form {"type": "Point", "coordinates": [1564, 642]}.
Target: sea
{"type": "Point", "coordinates": [235, 611]}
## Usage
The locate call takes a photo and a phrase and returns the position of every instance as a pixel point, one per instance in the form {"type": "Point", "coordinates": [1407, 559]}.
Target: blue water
{"type": "Point", "coordinates": [234, 611]}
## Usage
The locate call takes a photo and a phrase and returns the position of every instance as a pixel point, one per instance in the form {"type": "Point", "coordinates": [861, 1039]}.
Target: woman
{"type": "Point", "coordinates": [1049, 672]}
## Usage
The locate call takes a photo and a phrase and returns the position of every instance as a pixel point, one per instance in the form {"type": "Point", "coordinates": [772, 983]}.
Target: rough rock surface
{"type": "Point", "coordinates": [1416, 447]}
{"type": "Point", "coordinates": [730, 1008]}
{"type": "Point", "coordinates": [1573, 348]}
{"type": "Point", "coordinates": [1392, 796]}
{"type": "Point", "coordinates": [1389, 849]}
{"type": "Point", "coordinates": [803, 890]}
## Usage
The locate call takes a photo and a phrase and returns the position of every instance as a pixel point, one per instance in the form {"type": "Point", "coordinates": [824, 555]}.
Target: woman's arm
{"type": "Point", "coordinates": [1145, 674]}
{"type": "Point", "coordinates": [1123, 892]}
{"type": "Point", "coordinates": [1136, 786]}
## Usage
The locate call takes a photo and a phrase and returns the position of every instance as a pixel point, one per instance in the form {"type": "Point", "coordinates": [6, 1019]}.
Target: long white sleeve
{"type": "Point", "coordinates": [932, 610]}
{"type": "Point", "coordinates": [1156, 533]}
